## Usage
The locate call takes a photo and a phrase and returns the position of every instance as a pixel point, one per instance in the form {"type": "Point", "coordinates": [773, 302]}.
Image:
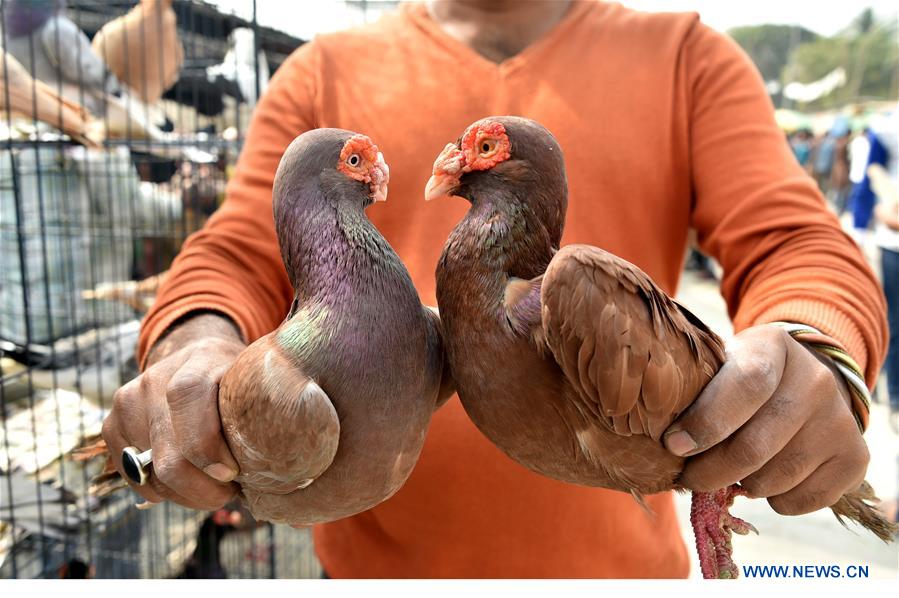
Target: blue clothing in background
{"type": "Point", "coordinates": [891, 290]}
{"type": "Point", "coordinates": [802, 149]}
{"type": "Point", "coordinates": [824, 158]}
{"type": "Point", "coordinates": [862, 198]}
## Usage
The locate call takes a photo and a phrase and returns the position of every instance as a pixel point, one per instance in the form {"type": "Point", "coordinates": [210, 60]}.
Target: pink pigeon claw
{"type": "Point", "coordinates": [713, 526]}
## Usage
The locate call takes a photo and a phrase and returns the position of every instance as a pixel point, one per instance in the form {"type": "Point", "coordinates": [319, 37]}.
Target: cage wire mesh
{"type": "Point", "coordinates": [101, 180]}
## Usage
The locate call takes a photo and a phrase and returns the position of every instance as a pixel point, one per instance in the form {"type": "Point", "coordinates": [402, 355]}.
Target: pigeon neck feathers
{"type": "Point", "coordinates": [332, 251]}
{"type": "Point", "coordinates": [518, 203]}
{"type": "Point", "coordinates": [501, 236]}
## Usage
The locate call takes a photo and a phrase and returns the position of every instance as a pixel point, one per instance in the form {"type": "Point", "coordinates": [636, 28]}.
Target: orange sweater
{"type": "Point", "coordinates": [665, 126]}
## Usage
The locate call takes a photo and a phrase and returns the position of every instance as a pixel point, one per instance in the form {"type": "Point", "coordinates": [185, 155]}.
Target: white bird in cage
{"type": "Point", "coordinates": [241, 64]}
{"type": "Point", "coordinates": [142, 48]}
{"type": "Point", "coordinates": [54, 50]}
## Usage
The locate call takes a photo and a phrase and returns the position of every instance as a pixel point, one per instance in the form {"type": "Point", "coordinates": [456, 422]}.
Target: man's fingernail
{"type": "Point", "coordinates": [680, 443]}
{"type": "Point", "coordinates": [221, 472]}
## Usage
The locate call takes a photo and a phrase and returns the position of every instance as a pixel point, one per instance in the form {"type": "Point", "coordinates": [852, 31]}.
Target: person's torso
{"type": "Point", "coordinates": [607, 83]}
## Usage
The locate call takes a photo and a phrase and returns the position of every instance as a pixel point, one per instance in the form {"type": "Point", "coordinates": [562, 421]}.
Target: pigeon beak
{"type": "Point", "coordinates": [448, 169]}
{"type": "Point", "coordinates": [440, 185]}
{"type": "Point", "coordinates": [380, 176]}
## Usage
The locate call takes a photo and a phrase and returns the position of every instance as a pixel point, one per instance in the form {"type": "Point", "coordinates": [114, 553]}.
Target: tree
{"type": "Point", "coordinates": [769, 46]}
{"type": "Point", "coordinates": [869, 51]}
{"type": "Point", "coordinates": [867, 48]}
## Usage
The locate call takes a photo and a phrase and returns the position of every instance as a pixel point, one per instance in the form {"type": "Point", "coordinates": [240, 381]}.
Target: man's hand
{"type": "Point", "coordinates": [172, 407]}
{"type": "Point", "coordinates": [778, 419]}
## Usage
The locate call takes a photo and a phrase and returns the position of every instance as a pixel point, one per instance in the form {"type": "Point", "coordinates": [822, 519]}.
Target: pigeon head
{"type": "Point", "coordinates": [508, 161]}
{"type": "Point", "coordinates": [361, 161]}
{"type": "Point", "coordinates": [326, 179]}
{"type": "Point", "coordinates": [332, 166]}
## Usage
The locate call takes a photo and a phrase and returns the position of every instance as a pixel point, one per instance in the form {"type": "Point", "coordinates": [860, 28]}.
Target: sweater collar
{"type": "Point", "coordinates": [417, 13]}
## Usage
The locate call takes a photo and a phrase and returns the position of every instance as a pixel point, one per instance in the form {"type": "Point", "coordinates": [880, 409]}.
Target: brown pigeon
{"type": "Point", "coordinates": [326, 415]}
{"type": "Point", "coordinates": [572, 361]}
{"type": "Point", "coordinates": [142, 48]}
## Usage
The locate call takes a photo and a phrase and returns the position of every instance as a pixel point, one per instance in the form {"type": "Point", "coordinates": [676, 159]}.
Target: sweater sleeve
{"type": "Point", "coordinates": [233, 265]}
{"type": "Point", "coordinates": [784, 254]}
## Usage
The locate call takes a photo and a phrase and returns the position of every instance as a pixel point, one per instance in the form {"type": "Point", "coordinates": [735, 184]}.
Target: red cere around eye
{"type": "Point", "coordinates": [362, 146]}
{"type": "Point", "coordinates": [487, 133]}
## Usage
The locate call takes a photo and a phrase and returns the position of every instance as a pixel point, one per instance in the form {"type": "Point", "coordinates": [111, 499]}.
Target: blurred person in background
{"type": "Point", "coordinates": [859, 148]}
{"type": "Point", "coordinates": [822, 161]}
{"type": "Point", "coordinates": [862, 198]}
{"type": "Point", "coordinates": [666, 126]}
{"type": "Point", "coordinates": [858, 155]}
{"type": "Point", "coordinates": [801, 142]}
{"type": "Point", "coordinates": [885, 183]}
{"type": "Point", "coordinates": [839, 185]}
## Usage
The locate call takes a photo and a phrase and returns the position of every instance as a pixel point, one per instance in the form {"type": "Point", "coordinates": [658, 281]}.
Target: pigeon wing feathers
{"type": "Point", "coordinates": [280, 425]}
{"type": "Point", "coordinates": [435, 337]}
{"type": "Point", "coordinates": [629, 350]}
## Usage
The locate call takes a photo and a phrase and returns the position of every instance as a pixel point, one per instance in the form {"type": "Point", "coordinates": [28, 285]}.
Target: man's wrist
{"type": "Point", "coordinates": [831, 352]}
{"type": "Point", "coordinates": [190, 327]}
{"type": "Point", "coordinates": [831, 364]}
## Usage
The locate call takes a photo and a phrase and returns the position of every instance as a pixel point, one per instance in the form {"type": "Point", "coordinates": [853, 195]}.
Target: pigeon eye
{"type": "Point", "coordinates": [354, 160]}
{"type": "Point", "coordinates": [488, 145]}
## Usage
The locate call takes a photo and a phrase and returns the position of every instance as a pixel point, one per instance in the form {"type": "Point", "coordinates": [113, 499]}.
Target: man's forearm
{"type": "Point", "coordinates": [192, 327]}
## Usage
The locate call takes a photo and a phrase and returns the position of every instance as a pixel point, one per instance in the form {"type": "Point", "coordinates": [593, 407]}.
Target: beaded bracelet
{"type": "Point", "coordinates": [850, 370]}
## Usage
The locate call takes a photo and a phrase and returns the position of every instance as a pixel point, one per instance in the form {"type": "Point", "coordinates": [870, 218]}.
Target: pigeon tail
{"type": "Point", "coordinates": [856, 505]}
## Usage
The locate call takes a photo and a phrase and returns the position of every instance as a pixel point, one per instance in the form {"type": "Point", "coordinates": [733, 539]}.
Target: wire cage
{"type": "Point", "coordinates": [112, 151]}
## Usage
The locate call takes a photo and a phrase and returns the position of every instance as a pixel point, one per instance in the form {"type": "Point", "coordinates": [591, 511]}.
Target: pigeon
{"type": "Point", "coordinates": [240, 66]}
{"type": "Point", "coordinates": [327, 414]}
{"type": "Point", "coordinates": [142, 48]}
{"type": "Point", "coordinates": [206, 560]}
{"type": "Point", "coordinates": [54, 50]}
{"type": "Point", "coordinates": [571, 360]}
